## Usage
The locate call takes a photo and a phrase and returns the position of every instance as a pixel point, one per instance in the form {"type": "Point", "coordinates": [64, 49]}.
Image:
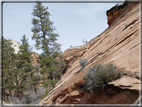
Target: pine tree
{"type": "Point", "coordinates": [44, 31]}
{"type": "Point", "coordinates": [24, 65]}
{"type": "Point", "coordinates": [43, 34]}
{"type": "Point", "coordinates": [8, 66]}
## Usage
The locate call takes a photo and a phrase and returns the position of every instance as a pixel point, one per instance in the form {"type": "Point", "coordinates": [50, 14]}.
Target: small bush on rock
{"type": "Point", "coordinates": [83, 62]}
{"type": "Point", "coordinates": [99, 75]}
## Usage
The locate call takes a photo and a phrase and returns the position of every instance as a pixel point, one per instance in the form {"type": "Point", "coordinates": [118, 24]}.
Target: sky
{"type": "Point", "coordinates": [74, 22]}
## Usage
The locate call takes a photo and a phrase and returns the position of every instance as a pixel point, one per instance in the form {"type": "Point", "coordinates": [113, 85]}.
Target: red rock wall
{"type": "Point", "coordinates": [118, 11]}
{"type": "Point", "coordinates": [118, 44]}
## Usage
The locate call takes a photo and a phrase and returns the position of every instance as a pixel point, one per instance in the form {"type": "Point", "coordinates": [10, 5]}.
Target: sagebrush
{"type": "Point", "coordinates": [83, 63]}
{"type": "Point", "coordinates": [99, 75]}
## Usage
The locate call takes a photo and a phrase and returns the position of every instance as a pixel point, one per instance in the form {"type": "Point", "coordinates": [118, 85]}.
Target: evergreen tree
{"type": "Point", "coordinates": [8, 66]}
{"type": "Point", "coordinates": [43, 31]}
{"type": "Point", "coordinates": [43, 34]}
{"type": "Point", "coordinates": [24, 66]}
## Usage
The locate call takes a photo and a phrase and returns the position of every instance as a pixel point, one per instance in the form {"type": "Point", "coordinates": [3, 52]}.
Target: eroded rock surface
{"type": "Point", "coordinates": [118, 44]}
{"type": "Point", "coordinates": [127, 82]}
{"type": "Point", "coordinates": [118, 10]}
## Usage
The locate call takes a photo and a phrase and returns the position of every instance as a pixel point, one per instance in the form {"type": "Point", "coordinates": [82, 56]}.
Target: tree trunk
{"type": "Point", "coordinates": [35, 90]}
{"type": "Point", "coordinates": [5, 96]}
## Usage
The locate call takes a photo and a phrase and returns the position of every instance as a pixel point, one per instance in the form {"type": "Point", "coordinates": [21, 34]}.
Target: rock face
{"type": "Point", "coordinates": [118, 44]}
{"type": "Point", "coordinates": [73, 54]}
{"type": "Point", "coordinates": [117, 11]}
{"type": "Point", "coordinates": [15, 45]}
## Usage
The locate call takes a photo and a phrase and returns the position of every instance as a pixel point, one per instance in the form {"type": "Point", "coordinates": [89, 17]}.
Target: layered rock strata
{"type": "Point", "coordinates": [118, 44]}
{"type": "Point", "coordinates": [119, 10]}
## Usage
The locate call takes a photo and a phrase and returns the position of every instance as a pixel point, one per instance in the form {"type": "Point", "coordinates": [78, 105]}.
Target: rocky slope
{"type": "Point", "coordinates": [118, 44]}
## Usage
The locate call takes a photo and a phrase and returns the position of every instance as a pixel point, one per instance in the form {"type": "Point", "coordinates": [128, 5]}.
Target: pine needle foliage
{"type": "Point", "coordinates": [8, 66]}
{"type": "Point", "coordinates": [43, 31]}
{"type": "Point", "coordinates": [99, 75]}
{"type": "Point", "coordinates": [46, 40]}
{"type": "Point", "coordinates": [24, 66]}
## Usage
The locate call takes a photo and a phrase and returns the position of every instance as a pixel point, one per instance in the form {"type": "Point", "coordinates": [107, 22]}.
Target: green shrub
{"type": "Point", "coordinates": [44, 95]}
{"type": "Point", "coordinates": [27, 101]}
{"type": "Point", "coordinates": [99, 75]}
{"type": "Point", "coordinates": [7, 102]}
{"type": "Point", "coordinates": [83, 62]}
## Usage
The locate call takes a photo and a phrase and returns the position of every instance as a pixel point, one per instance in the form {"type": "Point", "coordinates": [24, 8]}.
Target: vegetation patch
{"type": "Point", "coordinates": [21, 73]}
{"type": "Point", "coordinates": [98, 76]}
{"type": "Point", "coordinates": [44, 95]}
{"type": "Point", "coordinates": [83, 63]}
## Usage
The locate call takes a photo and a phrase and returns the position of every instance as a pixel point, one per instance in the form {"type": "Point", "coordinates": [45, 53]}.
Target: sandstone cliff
{"type": "Point", "coordinates": [118, 44]}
